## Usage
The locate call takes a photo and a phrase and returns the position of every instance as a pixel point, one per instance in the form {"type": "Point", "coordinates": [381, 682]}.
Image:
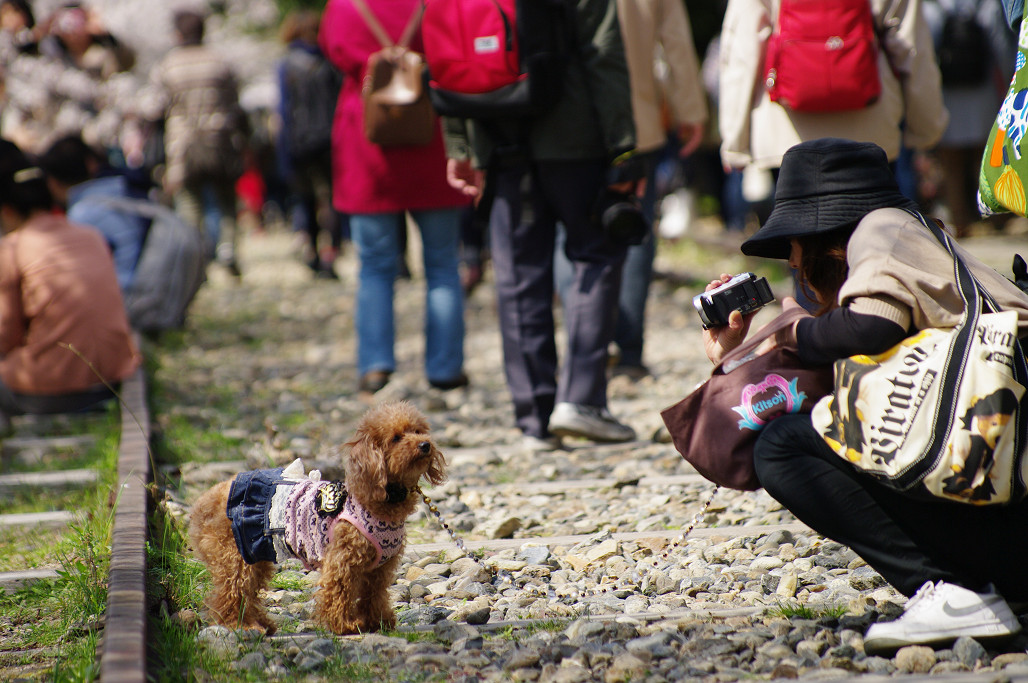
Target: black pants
{"type": "Point", "coordinates": [908, 541]}
{"type": "Point", "coordinates": [39, 404]}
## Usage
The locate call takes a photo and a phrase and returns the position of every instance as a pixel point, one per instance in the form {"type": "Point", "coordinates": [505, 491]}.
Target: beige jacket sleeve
{"type": "Point", "coordinates": [684, 89]}
{"type": "Point", "coordinates": [647, 25]}
{"type": "Point", "coordinates": [907, 42]}
{"type": "Point", "coordinates": [744, 35]}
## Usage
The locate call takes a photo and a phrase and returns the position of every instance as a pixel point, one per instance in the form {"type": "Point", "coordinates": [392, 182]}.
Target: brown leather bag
{"type": "Point", "coordinates": [397, 110]}
{"type": "Point", "coordinates": [715, 427]}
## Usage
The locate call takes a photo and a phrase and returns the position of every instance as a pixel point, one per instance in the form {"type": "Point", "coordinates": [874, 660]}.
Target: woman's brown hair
{"type": "Point", "coordinates": [823, 267]}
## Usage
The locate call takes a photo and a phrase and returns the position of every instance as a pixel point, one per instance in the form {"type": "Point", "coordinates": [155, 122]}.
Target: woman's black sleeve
{"type": "Point", "coordinates": [843, 333]}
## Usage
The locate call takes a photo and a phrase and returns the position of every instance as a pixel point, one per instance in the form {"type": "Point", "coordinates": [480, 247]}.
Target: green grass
{"type": "Point", "coordinates": [705, 263]}
{"type": "Point", "coordinates": [102, 456]}
{"type": "Point", "coordinates": [546, 625]}
{"type": "Point", "coordinates": [55, 623]}
{"type": "Point", "coordinates": [182, 441]}
{"type": "Point", "coordinates": [175, 582]}
{"type": "Point", "coordinates": [794, 610]}
{"type": "Point", "coordinates": [288, 581]}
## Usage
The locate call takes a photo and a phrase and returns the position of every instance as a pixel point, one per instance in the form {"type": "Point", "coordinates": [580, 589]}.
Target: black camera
{"type": "Point", "coordinates": [620, 216]}
{"type": "Point", "coordinates": [744, 293]}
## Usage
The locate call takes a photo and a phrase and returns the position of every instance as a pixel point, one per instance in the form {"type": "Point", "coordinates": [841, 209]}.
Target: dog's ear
{"type": "Point", "coordinates": [436, 472]}
{"type": "Point", "coordinates": [367, 469]}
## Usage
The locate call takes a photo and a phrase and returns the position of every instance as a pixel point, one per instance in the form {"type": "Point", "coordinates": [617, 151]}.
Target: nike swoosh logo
{"type": "Point", "coordinates": [960, 611]}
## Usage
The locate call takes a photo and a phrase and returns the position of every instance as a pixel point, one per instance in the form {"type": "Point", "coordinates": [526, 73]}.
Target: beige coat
{"type": "Point", "coordinates": [756, 130]}
{"type": "Point", "coordinates": [645, 26]}
{"type": "Point", "coordinates": [900, 272]}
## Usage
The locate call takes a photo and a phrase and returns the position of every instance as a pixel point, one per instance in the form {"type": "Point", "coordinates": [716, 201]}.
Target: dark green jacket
{"type": "Point", "coordinates": [593, 118]}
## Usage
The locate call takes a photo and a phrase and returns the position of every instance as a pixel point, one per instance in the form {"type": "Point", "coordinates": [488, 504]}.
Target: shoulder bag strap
{"type": "Point", "coordinates": [975, 298]}
{"type": "Point", "coordinates": [412, 25]}
{"type": "Point", "coordinates": [380, 33]}
{"type": "Point", "coordinates": [373, 24]}
{"type": "Point", "coordinates": [740, 354]}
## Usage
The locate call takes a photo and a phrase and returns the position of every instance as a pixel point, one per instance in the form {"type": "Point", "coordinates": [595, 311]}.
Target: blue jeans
{"type": "Point", "coordinates": [377, 242]}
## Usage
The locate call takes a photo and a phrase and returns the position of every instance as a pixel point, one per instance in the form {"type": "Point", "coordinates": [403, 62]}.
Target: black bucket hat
{"type": "Point", "coordinates": [824, 185]}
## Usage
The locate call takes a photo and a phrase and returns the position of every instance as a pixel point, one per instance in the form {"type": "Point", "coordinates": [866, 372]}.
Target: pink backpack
{"type": "Point", "coordinates": [823, 56]}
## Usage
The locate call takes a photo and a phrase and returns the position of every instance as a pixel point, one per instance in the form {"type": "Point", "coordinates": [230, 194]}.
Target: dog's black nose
{"type": "Point", "coordinates": [425, 447]}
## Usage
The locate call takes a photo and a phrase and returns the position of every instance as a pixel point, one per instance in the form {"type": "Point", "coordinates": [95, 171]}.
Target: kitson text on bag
{"type": "Point", "coordinates": [764, 401]}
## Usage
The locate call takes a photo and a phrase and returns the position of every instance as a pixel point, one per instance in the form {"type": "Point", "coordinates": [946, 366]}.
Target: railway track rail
{"type": "Point", "coordinates": [122, 652]}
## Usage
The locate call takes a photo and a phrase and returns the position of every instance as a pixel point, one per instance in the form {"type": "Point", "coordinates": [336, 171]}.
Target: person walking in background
{"type": "Point", "coordinates": [64, 335]}
{"type": "Point", "coordinates": [566, 153]}
{"type": "Point", "coordinates": [204, 135]}
{"type": "Point", "coordinates": [378, 186]}
{"type": "Point", "coordinates": [756, 130]}
{"type": "Point", "coordinates": [652, 28]}
{"type": "Point", "coordinates": [976, 54]}
{"type": "Point", "coordinates": [308, 90]}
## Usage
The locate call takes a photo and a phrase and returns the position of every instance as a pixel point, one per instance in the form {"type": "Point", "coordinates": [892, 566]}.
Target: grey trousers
{"type": "Point", "coordinates": [522, 254]}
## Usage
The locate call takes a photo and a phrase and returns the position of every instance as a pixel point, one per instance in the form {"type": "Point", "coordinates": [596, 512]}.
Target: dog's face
{"type": "Point", "coordinates": [392, 450]}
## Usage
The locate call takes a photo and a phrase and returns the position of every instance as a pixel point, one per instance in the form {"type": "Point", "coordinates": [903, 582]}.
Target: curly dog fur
{"type": "Point", "coordinates": [392, 446]}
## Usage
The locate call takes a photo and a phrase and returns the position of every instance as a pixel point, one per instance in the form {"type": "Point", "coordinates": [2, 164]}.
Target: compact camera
{"type": "Point", "coordinates": [744, 293]}
{"type": "Point", "coordinates": [620, 217]}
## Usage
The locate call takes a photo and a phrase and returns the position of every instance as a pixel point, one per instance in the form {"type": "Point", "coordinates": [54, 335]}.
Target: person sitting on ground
{"type": "Point", "coordinates": [878, 275]}
{"type": "Point", "coordinates": [81, 180]}
{"type": "Point", "coordinates": [65, 341]}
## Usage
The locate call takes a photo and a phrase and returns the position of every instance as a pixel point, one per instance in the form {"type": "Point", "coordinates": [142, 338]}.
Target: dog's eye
{"type": "Point", "coordinates": [397, 438]}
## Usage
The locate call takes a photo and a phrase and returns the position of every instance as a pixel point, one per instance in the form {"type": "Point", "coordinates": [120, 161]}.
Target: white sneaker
{"type": "Point", "coordinates": [535, 444]}
{"type": "Point", "coordinates": [940, 613]}
{"type": "Point", "coordinates": [590, 422]}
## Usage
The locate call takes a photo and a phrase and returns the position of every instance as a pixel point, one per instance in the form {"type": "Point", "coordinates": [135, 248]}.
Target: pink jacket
{"type": "Point", "coordinates": [368, 178]}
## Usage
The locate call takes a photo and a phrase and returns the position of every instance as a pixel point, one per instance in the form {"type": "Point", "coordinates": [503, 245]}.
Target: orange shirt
{"type": "Point", "coordinates": [58, 288]}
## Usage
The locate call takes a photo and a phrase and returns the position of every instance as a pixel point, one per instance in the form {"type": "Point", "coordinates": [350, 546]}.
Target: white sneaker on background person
{"type": "Point", "coordinates": [535, 444]}
{"type": "Point", "coordinates": [590, 422]}
{"type": "Point", "coordinates": [940, 613]}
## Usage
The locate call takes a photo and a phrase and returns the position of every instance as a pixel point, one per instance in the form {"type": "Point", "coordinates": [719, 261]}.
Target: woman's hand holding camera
{"type": "Point", "coordinates": [718, 341]}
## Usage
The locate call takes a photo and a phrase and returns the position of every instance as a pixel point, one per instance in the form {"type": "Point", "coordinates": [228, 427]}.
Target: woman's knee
{"type": "Point", "coordinates": [776, 453]}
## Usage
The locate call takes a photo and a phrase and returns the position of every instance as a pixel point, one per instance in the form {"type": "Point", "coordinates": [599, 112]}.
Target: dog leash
{"type": "Point", "coordinates": [636, 576]}
{"type": "Point", "coordinates": [494, 572]}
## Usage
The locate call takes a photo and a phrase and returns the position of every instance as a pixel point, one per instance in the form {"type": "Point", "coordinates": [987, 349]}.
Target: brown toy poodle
{"type": "Point", "coordinates": [353, 531]}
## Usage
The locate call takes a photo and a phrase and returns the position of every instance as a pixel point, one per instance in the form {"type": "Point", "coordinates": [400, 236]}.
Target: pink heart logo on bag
{"type": "Point", "coordinates": [762, 402]}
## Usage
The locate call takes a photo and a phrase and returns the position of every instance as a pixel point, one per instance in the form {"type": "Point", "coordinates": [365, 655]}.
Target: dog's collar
{"type": "Point", "coordinates": [396, 493]}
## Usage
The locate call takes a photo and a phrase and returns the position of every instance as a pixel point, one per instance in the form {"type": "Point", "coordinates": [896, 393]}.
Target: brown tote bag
{"type": "Point", "coordinates": [397, 110]}
{"type": "Point", "coordinates": [715, 427]}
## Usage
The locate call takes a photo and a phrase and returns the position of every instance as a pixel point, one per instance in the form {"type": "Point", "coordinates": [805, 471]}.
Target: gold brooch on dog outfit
{"type": "Point", "coordinates": [330, 499]}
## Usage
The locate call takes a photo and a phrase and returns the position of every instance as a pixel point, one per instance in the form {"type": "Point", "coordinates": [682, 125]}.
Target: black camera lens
{"type": "Point", "coordinates": [620, 217]}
